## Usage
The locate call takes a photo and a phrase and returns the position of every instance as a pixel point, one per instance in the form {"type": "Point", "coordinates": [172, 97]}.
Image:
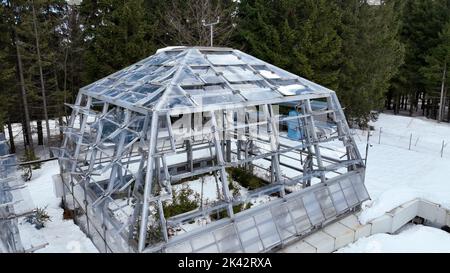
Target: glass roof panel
{"type": "Point", "coordinates": [238, 74]}
{"type": "Point", "coordinates": [132, 97]}
{"type": "Point", "coordinates": [146, 88]}
{"type": "Point", "coordinates": [224, 59]}
{"type": "Point", "coordinates": [264, 94]}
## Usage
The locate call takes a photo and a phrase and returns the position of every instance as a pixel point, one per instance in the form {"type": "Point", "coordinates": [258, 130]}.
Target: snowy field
{"type": "Point", "coordinates": [394, 176]}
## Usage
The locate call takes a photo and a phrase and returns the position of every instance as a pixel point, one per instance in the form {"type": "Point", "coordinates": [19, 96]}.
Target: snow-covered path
{"type": "Point", "coordinates": [61, 235]}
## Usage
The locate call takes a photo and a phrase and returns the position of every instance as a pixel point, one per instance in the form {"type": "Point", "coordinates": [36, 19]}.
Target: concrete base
{"type": "Point", "coordinates": [321, 241]}
{"type": "Point", "coordinates": [360, 231]}
{"type": "Point", "coordinates": [342, 234]}
{"type": "Point", "coordinates": [349, 229]}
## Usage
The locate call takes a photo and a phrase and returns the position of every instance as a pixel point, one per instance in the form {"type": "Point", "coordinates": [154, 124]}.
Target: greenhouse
{"type": "Point", "coordinates": [203, 149]}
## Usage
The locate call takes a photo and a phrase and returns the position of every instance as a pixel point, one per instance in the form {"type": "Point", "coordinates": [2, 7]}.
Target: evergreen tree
{"type": "Point", "coordinates": [371, 54]}
{"type": "Point", "coordinates": [117, 34]}
{"type": "Point", "coordinates": [300, 36]}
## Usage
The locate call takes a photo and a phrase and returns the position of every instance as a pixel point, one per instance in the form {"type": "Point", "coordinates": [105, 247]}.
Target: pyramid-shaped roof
{"type": "Point", "coordinates": [190, 79]}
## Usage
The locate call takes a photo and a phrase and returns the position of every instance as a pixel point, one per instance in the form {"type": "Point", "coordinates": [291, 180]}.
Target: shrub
{"type": "Point", "coordinates": [183, 200]}
{"type": "Point", "coordinates": [38, 218]}
{"type": "Point", "coordinates": [246, 178]}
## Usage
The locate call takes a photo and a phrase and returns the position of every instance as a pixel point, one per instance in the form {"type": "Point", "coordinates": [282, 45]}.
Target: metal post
{"type": "Point", "coordinates": [211, 28]}
{"type": "Point", "coordinates": [148, 181]}
{"type": "Point", "coordinates": [410, 139]}
{"type": "Point", "coordinates": [442, 148]}
{"type": "Point", "coordinates": [379, 136]}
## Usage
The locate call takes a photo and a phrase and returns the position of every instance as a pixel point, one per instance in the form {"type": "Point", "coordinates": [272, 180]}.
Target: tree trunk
{"type": "Point", "coordinates": [24, 96]}
{"type": "Point", "coordinates": [12, 146]}
{"type": "Point", "coordinates": [44, 98]}
{"type": "Point", "coordinates": [442, 99]}
{"type": "Point", "coordinates": [40, 133]}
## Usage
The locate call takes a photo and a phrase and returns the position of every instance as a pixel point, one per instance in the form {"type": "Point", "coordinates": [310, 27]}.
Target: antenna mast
{"type": "Point", "coordinates": [211, 27]}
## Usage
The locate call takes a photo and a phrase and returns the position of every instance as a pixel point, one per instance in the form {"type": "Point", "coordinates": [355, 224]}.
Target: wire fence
{"type": "Point", "coordinates": [413, 141]}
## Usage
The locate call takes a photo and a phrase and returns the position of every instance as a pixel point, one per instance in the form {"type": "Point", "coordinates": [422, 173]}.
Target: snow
{"type": "Point", "coordinates": [396, 175]}
{"type": "Point", "coordinates": [63, 236]}
{"type": "Point", "coordinates": [413, 239]}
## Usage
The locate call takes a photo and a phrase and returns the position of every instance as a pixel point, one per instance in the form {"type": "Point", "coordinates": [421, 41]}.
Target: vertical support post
{"type": "Point", "coordinates": [148, 182]}
{"type": "Point", "coordinates": [220, 162]}
{"type": "Point", "coordinates": [379, 135]}
{"type": "Point", "coordinates": [274, 145]}
{"type": "Point", "coordinates": [442, 148]}
{"type": "Point", "coordinates": [312, 127]}
{"type": "Point", "coordinates": [410, 139]}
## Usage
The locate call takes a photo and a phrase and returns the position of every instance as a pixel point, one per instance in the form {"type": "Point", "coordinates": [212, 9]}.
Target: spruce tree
{"type": "Point", "coordinates": [371, 55]}
{"type": "Point", "coordinates": [117, 34]}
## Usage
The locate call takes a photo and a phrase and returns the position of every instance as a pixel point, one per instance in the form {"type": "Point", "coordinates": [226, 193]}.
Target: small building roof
{"type": "Point", "coordinates": [191, 79]}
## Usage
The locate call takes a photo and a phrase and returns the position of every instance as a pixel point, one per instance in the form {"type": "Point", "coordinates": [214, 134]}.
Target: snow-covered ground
{"type": "Point", "coordinates": [61, 235]}
{"type": "Point", "coordinates": [413, 239]}
{"type": "Point", "coordinates": [394, 176]}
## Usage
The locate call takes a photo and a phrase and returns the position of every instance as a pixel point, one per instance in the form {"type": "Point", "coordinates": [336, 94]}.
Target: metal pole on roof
{"type": "Point", "coordinates": [211, 28]}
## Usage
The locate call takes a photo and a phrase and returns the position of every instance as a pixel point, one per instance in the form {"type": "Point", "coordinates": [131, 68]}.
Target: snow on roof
{"type": "Point", "coordinates": [194, 77]}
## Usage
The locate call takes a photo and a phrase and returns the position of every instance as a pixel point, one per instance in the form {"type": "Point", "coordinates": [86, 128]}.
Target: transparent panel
{"type": "Point", "coordinates": [208, 75]}
{"type": "Point", "coordinates": [196, 58]}
{"type": "Point", "coordinates": [204, 243]}
{"type": "Point", "coordinates": [249, 235]}
{"type": "Point", "coordinates": [338, 197]}
{"type": "Point", "coordinates": [358, 185]}
{"type": "Point", "coordinates": [184, 247]}
{"type": "Point", "coordinates": [264, 94]}
{"type": "Point", "coordinates": [227, 239]}
{"type": "Point", "coordinates": [267, 229]}
{"type": "Point", "coordinates": [238, 74]}
{"type": "Point", "coordinates": [283, 220]}
{"type": "Point", "coordinates": [132, 97]}
{"type": "Point", "coordinates": [325, 203]}
{"type": "Point", "coordinates": [313, 208]}
{"type": "Point", "coordinates": [146, 88]}
{"type": "Point", "coordinates": [187, 77]}
{"type": "Point", "coordinates": [349, 192]}
{"type": "Point", "coordinates": [223, 59]}
{"type": "Point", "coordinates": [299, 214]}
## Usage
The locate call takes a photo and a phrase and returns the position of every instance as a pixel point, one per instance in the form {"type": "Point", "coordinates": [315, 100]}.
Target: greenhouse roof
{"type": "Point", "coordinates": [191, 79]}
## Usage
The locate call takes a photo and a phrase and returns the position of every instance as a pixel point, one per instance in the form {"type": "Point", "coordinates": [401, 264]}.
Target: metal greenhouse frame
{"type": "Point", "coordinates": [190, 112]}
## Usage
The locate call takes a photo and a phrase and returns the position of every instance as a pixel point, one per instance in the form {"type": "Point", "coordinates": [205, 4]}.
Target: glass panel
{"type": "Point", "coordinates": [196, 58]}
{"type": "Point", "coordinates": [292, 89]}
{"type": "Point", "coordinates": [313, 208]}
{"type": "Point", "coordinates": [135, 77]}
{"type": "Point", "coordinates": [349, 192]}
{"type": "Point", "coordinates": [187, 77]}
{"type": "Point", "coordinates": [114, 92]}
{"type": "Point", "coordinates": [132, 97]}
{"type": "Point", "coordinates": [223, 59]}
{"type": "Point", "coordinates": [219, 99]}
{"type": "Point", "coordinates": [267, 229]}
{"type": "Point", "coordinates": [325, 203]}
{"type": "Point", "coordinates": [338, 197]}
{"type": "Point", "coordinates": [208, 75]}
{"type": "Point", "coordinates": [146, 88]}
{"type": "Point", "coordinates": [299, 214]}
{"type": "Point", "coordinates": [238, 74]}
{"type": "Point", "coordinates": [249, 235]}
{"type": "Point", "coordinates": [264, 94]}
{"type": "Point", "coordinates": [249, 59]}
{"type": "Point", "coordinates": [178, 102]}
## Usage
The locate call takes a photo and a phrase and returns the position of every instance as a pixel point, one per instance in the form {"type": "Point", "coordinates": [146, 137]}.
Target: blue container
{"type": "Point", "coordinates": [295, 130]}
